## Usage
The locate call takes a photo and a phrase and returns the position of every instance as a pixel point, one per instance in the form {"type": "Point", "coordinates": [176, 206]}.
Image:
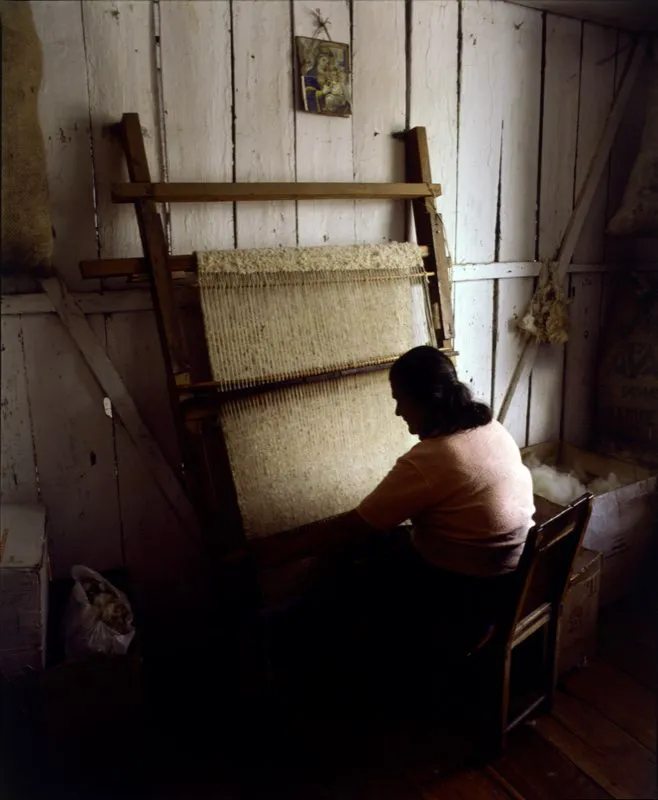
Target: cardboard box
{"type": "Point", "coordinates": [623, 521]}
{"type": "Point", "coordinates": [579, 614]}
{"type": "Point", "coordinates": [23, 588]}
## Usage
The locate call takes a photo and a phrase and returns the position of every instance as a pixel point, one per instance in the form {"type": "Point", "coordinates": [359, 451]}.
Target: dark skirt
{"type": "Point", "coordinates": [383, 623]}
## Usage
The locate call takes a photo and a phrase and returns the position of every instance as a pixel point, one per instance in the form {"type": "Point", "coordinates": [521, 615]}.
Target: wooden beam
{"type": "Point", "coordinates": [155, 249]}
{"type": "Point", "coordinates": [572, 233]}
{"type": "Point", "coordinates": [104, 371]}
{"type": "Point", "coordinates": [127, 298]}
{"type": "Point", "coordinates": [429, 233]}
{"type": "Point", "coordinates": [599, 161]}
{"type": "Point", "coordinates": [259, 192]}
{"type": "Point", "coordinates": [133, 267]}
{"type": "Point", "coordinates": [205, 452]}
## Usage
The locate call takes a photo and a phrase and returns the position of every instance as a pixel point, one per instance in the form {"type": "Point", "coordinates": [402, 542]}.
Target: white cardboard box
{"type": "Point", "coordinates": [580, 612]}
{"type": "Point", "coordinates": [623, 522]}
{"type": "Point", "coordinates": [23, 588]}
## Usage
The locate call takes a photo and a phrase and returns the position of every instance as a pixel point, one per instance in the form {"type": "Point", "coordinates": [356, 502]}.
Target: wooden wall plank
{"type": "Point", "coordinates": [581, 358]}
{"type": "Point", "coordinates": [264, 118]}
{"type": "Point", "coordinates": [119, 44]}
{"type": "Point", "coordinates": [596, 96]}
{"type": "Point", "coordinates": [474, 305]}
{"type": "Point", "coordinates": [18, 478]}
{"type": "Point", "coordinates": [499, 132]}
{"type": "Point", "coordinates": [161, 556]}
{"type": "Point", "coordinates": [556, 200]}
{"type": "Point", "coordinates": [519, 60]}
{"type": "Point", "coordinates": [379, 94]}
{"type": "Point", "coordinates": [433, 101]}
{"type": "Point", "coordinates": [626, 144]}
{"type": "Point", "coordinates": [74, 450]}
{"type": "Point", "coordinates": [513, 297]}
{"type": "Point", "coordinates": [546, 389]}
{"type": "Point", "coordinates": [480, 134]}
{"type": "Point", "coordinates": [197, 98]}
{"type": "Point", "coordinates": [559, 131]}
{"type": "Point", "coordinates": [64, 117]}
{"type": "Point", "coordinates": [324, 146]}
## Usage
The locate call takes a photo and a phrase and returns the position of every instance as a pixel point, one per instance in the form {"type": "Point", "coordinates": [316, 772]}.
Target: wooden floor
{"type": "Point", "coordinates": [599, 742]}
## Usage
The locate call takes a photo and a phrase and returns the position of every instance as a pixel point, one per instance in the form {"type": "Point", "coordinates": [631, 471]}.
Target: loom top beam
{"type": "Point", "coordinates": [247, 192]}
{"type": "Point", "coordinates": [131, 267]}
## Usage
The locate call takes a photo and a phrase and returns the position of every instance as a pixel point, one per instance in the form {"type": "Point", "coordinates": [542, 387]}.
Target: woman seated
{"type": "Point", "coordinates": [467, 494]}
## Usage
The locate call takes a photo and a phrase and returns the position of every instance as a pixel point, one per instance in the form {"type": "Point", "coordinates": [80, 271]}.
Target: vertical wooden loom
{"type": "Point", "coordinates": [195, 398]}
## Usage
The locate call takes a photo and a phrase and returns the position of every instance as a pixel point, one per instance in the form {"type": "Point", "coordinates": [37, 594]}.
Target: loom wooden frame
{"type": "Point", "coordinates": [195, 403]}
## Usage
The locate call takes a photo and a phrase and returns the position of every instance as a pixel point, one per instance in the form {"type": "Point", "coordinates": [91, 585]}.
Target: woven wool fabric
{"type": "Point", "coordinates": [266, 320]}
{"type": "Point", "coordinates": [306, 453]}
{"type": "Point", "coordinates": [399, 256]}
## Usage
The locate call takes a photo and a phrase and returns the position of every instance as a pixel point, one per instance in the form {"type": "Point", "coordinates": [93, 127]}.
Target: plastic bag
{"type": "Point", "coordinates": [99, 618]}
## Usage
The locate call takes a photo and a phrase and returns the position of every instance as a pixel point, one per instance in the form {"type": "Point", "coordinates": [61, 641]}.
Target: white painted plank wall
{"type": "Point", "coordinates": [434, 97]}
{"type": "Point", "coordinates": [556, 201]}
{"type": "Point", "coordinates": [119, 48]}
{"type": "Point", "coordinates": [18, 477]}
{"type": "Point", "coordinates": [379, 95]}
{"type": "Point", "coordinates": [198, 107]}
{"type": "Point", "coordinates": [74, 449]}
{"type": "Point", "coordinates": [596, 96]}
{"type": "Point", "coordinates": [65, 124]}
{"type": "Point", "coordinates": [324, 145]}
{"type": "Point", "coordinates": [264, 118]}
{"type": "Point", "coordinates": [222, 106]}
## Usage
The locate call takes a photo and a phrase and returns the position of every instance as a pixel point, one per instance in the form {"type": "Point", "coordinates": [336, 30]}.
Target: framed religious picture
{"type": "Point", "coordinates": [324, 72]}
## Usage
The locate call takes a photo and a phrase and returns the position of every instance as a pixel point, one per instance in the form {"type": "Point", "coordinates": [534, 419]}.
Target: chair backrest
{"type": "Point", "coordinates": [542, 576]}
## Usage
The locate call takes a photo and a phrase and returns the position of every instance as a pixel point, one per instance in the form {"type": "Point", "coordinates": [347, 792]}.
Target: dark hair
{"type": "Point", "coordinates": [429, 379]}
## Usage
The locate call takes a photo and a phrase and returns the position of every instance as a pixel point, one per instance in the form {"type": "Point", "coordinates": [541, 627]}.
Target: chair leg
{"type": "Point", "coordinates": [494, 690]}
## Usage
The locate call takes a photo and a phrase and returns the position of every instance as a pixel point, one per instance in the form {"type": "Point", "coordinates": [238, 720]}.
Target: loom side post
{"type": "Point", "coordinates": [209, 479]}
{"type": "Point", "coordinates": [429, 232]}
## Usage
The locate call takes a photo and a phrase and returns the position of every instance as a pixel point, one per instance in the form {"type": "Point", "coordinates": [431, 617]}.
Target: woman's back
{"type": "Point", "coordinates": [468, 495]}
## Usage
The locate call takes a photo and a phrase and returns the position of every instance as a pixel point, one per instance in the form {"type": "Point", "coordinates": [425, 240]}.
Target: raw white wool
{"type": "Point", "coordinates": [603, 485]}
{"type": "Point", "coordinates": [562, 487]}
{"type": "Point", "coordinates": [558, 487]}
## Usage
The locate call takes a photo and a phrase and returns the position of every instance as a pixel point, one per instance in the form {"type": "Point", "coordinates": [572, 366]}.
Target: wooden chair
{"type": "Point", "coordinates": [513, 673]}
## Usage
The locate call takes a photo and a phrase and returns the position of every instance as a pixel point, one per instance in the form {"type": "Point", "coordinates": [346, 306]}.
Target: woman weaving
{"type": "Point", "coordinates": [463, 486]}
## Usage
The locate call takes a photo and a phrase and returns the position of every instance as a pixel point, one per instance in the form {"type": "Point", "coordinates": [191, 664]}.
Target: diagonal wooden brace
{"type": "Point", "coordinates": [528, 355]}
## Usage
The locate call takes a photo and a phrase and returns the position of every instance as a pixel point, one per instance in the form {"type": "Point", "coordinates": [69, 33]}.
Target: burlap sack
{"type": "Point", "coordinates": [638, 215]}
{"type": "Point", "coordinates": [27, 241]}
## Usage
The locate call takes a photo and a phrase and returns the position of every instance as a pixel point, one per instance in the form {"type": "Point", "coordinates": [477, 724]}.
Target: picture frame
{"type": "Point", "coordinates": [324, 77]}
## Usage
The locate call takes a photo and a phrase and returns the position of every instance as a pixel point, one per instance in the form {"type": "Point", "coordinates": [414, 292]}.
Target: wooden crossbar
{"type": "Point", "coordinates": [134, 267]}
{"type": "Point", "coordinates": [259, 192]}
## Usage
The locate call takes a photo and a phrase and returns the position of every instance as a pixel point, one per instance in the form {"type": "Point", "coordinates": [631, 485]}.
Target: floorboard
{"type": "Point", "coordinates": [538, 770]}
{"type": "Point", "coordinates": [617, 697]}
{"type": "Point", "coordinates": [602, 750]}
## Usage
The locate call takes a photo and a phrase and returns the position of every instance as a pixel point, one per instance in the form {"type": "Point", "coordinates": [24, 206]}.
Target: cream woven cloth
{"type": "Point", "coordinates": [309, 452]}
